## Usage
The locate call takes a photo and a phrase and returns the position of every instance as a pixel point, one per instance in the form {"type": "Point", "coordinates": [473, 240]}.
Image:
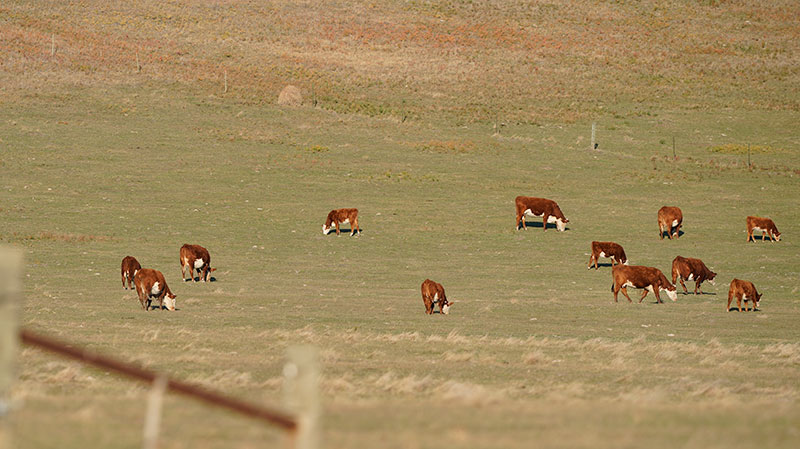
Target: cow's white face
{"type": "Point", "coordinates": [169, 302]}
{"type": "Point", "coordinates": [326, 231]}
{"type": "Point", "coordinates": [446, 309]}
{"type": "Point", "coordinates": [777, 236]}
{"type": "Point", "coordinates": [712, 282]}
{"type": "Point", "coordinates": [561, 225]}
{"type": "Point", "coordinates": [672, 294]}
{"type": "Point", "coordinates": [625, 263]}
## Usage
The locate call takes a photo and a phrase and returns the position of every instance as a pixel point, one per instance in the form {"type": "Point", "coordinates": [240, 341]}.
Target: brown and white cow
{"type": "Point", "coordinates": [341, 216]}
{"type": "Point", "coordinates": [151, 284]}
{"type": "Point", "coordinates": [743, 291]}
{"type": "Point", "coordinates": [196, 258]}
{"type": "Point", "coordinates": [128, 270]}
{"type": "Point", "coordinates": [649, 278]}
{"type": "Point", "coordinates": [765, 225]}
{"type": "Point", "coordinates": [432, 293]}
{"type": "Point", "coordinates": [669, 218]}
{"type": "Point", "coordinates": [690, 269]}
{"type": "Point", "coordinates": [612, 250]}
{"type": "Point", "coordinates": [540, 207]}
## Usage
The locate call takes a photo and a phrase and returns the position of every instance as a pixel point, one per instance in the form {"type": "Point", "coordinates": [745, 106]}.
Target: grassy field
{"type": "Point", "coordinates": [99, 161]}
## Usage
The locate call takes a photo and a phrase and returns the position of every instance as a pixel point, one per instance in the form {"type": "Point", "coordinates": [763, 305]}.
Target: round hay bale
{"type": "Point", "coordinates": [290, 96]}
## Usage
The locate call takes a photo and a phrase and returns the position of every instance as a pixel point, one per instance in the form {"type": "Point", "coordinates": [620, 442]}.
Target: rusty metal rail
{"type": "Point", "coordinates": [275, 417]}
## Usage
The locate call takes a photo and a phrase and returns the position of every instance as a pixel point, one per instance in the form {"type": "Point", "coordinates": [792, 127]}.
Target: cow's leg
{"type": "Point", "coordinates": [203, 274]}
{"type": "Point", "coordinates": [625, 292]}
{"type": "Point", "coordinates": [730, 298]}
{"type": "Point", "coordinates": [678, 231]}
{"type": "Point", "coordinates": [545, 217]}
{"type": "Point", "coordinates": [356, 230]}
{"type": "Point", "coordinates": [697, 287]}
{"type": "Point", "coordinates": [615, 289]}
{"type": "Point", "coordinates": [660, 231]}
{"type": "Point", "coordinates": [183, 271]}
{"type": "Point", "coordinates": [337, 227]}
{"type": "Point", "coordinates": [739, 303]}
{"type": "Point", "coordinates": [428, 305]}
{"type": "Point", "coordinates": [749, 235]}
{"type": "Point", "coordinates": [685, 290]}
{"type": "Point", "coordinates": [658, 296]}
{"type": "Point", "coordinates": [646, 291]}
{"type": "Point", "coordinates": [592, 258]}
{"type": "Point", "coordinates": [123, 281]}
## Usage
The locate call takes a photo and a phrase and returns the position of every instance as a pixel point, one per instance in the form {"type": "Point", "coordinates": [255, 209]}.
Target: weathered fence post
{"type": "Point", "coordinates": [10, 293]}
{"type": "Point", "coordinates": [152, 422]}
{"type": "Point", "coordinates": [301, 394]}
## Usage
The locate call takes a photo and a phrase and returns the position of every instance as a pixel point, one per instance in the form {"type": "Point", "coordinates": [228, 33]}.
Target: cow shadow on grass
{"type": "Point", "coordinates": [601, 265]}
{"type": "Point", "coordinates": [665, 234]}
{"type": "Point", "coordinates": [343, 231]}
{"type": "Point", "coordinates": [761, 238]}
{"type": "Point", "coordinates": [698, 294]}
{"type": "Point", "coordinates": [736, 309]}
{"type": "Point", "coordinates": [538, 225]}
{"type": "Point", "coordinates": [198, 279]}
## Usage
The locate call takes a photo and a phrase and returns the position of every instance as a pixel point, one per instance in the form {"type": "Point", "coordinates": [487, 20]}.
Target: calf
{"type": "Point", "coordinates": [128, 270]}
{"type": "Point", "coordinates": [196, 258]}
{"type": "Point", "coordinates": [540, 207]}
{"type": "Point", "coordinates": [612, 250]}
{"type": "Point", "coordinates": [151, 284]}
{"type": "Point", "coordinates": [341, 216]}
{"type": "Point", "coordinates": [743, 291]}
{"type": "Point", "coordinates": [433, 292]}
{"type": "Point", "coordinates": [765, 225]}
{"type": "Point", "coordinates": [687, 268]}
{"type": "Point", "coordinates": [669, 218]}
{"type": "Point", "coordinates": [649, 278]}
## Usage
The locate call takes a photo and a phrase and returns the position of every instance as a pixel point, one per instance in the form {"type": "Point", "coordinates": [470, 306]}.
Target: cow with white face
{"type": "Point", "coordinates": [341, 216]}
{"type": "Point", "coordinates": [648, 278]}
{"type": "Point", "coordinates": [743, 291]}
{"type": "Point", "coordinates": [151, 284]}
{"type": "Point", "coordinates": [196, 258]}
{"type": "Point", "coordinates": [433, 293]}
{"type": "Point", "coordinates": [539, 207]}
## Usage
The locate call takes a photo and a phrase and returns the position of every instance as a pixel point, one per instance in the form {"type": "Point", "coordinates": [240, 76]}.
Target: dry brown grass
{"type": "Point", "coordinates": [468, 61]}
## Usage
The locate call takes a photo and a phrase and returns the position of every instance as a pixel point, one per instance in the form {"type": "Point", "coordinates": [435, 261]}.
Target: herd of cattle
{"type": "Point", "coordinates": [150, 283]}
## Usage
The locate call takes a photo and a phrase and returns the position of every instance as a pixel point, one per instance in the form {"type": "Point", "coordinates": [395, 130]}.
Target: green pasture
{"type": "Point", "coordinates": [534, 353]}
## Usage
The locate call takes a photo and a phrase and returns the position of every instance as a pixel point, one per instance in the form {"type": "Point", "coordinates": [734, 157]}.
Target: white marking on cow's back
{"type": "Point", "coordinates": [674, 222]}
{"type": "Point", "coordinates": [198, 263]}
{"type": "Point", "coordinates": [156, 289]}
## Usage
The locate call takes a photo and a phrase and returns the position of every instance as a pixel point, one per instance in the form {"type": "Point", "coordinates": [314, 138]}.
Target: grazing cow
{"type": "Point", "coordinates": [196, 258]}
{"type": "Point", "coordinates": [765, 225]}
{"type": "Point", "coordinates": [433, 292]}
{"type": "Point", "coordinates": [341, 216]}
{"type": "Point", "coordinates": [649, 278]}
{"type": "Point", "coordinates": [151, 284]}
{"type": "Point", "coordinates": [540, 207]}
{"type": "Point", "coordinates": [612, 250]}
{"type": "Point", "coordinates": [690, 269]}
{"type": "Point", "coordinates": [743, 291]}
{"type": "Point", "coordinates": [128, 270]}
{"type": "Point", "coordinates": [669, 218]}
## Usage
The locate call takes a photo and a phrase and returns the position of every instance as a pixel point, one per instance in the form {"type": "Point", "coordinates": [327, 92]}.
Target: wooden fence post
{"type": "Point", "coordinates": [10, 293]}
{"type": "Point", "coordinates": [301, 394]}
{"type": "Point", "coordinates": [152, 421]}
